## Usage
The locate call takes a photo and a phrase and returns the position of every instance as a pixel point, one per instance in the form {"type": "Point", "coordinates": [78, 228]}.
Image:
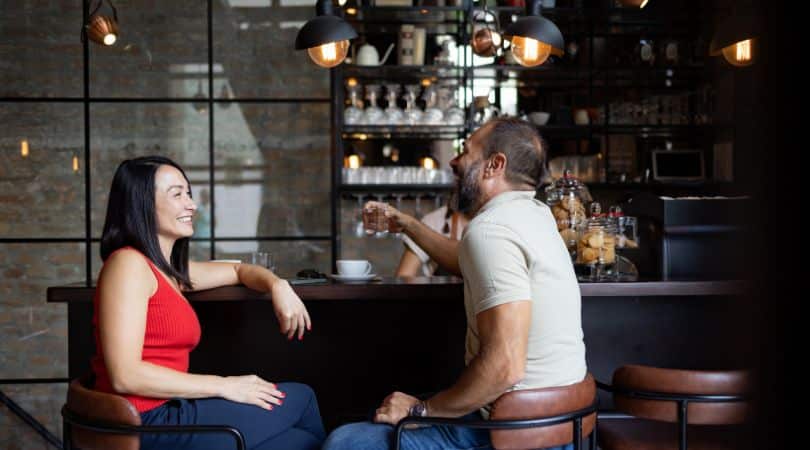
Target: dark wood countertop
{"type": "Point", "coordinates": [431, 289]}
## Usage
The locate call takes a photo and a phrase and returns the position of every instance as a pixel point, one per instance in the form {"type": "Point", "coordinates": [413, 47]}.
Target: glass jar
{"type": "Point", "coordinates": [568, 199]}
{"type": "Point", "coordinates": [596, 245]}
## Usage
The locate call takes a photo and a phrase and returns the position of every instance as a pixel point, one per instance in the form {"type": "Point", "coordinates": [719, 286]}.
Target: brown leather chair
{"type": "Point", "coordinates": [672, 409]}
{"type": "Point", "coordinates": [94, 420]}
{"type": "Point", "coordinates": [532, 418]}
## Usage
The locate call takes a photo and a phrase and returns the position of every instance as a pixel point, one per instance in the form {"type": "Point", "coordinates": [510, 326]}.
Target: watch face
{"type": "Point", "coordinates": [418, 410]}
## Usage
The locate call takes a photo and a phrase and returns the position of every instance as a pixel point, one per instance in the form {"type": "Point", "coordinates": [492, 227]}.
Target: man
{"type": "Point", "coordinates": [520, 294]}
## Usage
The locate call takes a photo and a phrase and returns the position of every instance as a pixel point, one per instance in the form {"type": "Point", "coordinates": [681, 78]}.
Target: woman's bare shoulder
{"type": "Point", "coordinates": [127, 268]}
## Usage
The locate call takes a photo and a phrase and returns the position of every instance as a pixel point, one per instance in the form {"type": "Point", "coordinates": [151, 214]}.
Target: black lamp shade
{"type": "Point", "coordinates": [323, 30]}
{"type": "Point", "coordinates": [538, 28]}
{"type": "Point", "coordinates": [733, 30]}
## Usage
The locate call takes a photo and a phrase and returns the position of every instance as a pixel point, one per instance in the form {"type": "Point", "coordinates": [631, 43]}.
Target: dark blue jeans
{"type": "Point", "coordinates": [295, 425]}
{"type": "Point", "coordinates": [375, 436]}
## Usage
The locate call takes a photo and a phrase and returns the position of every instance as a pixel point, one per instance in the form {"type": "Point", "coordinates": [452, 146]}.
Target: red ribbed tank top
{"type": "Point", "coordinates": [172, 332]}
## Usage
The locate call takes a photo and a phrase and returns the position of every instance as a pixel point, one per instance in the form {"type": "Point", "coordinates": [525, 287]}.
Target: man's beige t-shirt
{"type": "Point", "coordinates": [511, 251]}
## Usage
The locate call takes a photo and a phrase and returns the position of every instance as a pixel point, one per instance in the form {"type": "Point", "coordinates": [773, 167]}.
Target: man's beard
{"type": "Point", "coordinates": [467, 189]}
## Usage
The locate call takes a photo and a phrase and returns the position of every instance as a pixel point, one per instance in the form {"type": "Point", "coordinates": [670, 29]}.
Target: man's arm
{"type": "Point", "coordinates": [440, 248]}
{"type": "Point", "coordinates": [504, 336]}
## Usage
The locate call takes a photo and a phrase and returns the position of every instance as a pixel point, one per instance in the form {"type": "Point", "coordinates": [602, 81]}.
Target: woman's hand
{"type": "Point", "coordinates": [291, 313]}
{"type": "Point", "coordinates": [252, 390]}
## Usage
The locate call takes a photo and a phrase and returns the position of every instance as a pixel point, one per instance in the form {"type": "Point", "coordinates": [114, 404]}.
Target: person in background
{"type": "Point", "coordinates": [415, 261]}
{"type": "Point", "coordinates": [145, 328]}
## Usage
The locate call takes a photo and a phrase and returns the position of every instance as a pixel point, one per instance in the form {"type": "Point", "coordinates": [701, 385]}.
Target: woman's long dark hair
{"type": "Point", "coordinates": [131, 217]}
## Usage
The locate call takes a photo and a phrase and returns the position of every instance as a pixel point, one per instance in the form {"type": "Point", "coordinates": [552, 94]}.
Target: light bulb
{"type": "Point", "coordinates": [109, 39]}
{"type": "Point", "coordinates": [428, 163]}
{"type": "Point", "coordinates": [740, 54]}
{"type": "Point", "coordinates": [354, 162]}
{"type": "Point", "coordinates": [530, 52]}
{"type": "Point", "coordinates": [75, 163]}
{"type": "Point", "coordinates": [24, 148]}
{"type": "Point", "coordinates": [330, 54]}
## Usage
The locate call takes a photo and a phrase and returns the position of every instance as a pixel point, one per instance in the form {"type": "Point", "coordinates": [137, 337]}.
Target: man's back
{"type": "Point", "coordinates": [511, 251]}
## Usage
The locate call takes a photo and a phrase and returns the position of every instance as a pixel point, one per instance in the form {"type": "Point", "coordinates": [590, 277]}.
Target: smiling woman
{"type": "Point", "coordinates": [145, 329]}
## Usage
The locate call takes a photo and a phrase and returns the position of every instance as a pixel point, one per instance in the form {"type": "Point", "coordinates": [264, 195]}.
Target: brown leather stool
{"type": "Point", "coordinates": [532, 418]}
{"type": "Point", "coordinates": [94, 420]}
{"type": "Point", "coordinates": [669, 405]}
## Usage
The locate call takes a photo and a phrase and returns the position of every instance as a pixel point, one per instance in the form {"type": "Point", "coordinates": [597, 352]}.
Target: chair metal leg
{"type": "Point", "coordinates": [592, 437]}
{"type": "Point", "coordinates": [67, 441]}
{"type": "Point", "coordinates": [578, 433]}
{"type": "Point", "coordinates": [683, 422]}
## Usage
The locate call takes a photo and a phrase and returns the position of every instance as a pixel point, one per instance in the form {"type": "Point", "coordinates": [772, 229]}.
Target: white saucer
{"type": "Point", "coordinates": [367, 277]}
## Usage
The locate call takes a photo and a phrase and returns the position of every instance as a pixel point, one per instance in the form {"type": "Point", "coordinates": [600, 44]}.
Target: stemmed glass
{"type": "Point", "coordinates": [393, 114]}
{"type": "Point", "coordinates": [354, 113]}
{"type": "Point", "coordinates": [413, 115]}
{"type": "Point", "coordinates": [432, 114]}
{"type": "Point", "coordinates": [453, 115]}
{"type": "Point", "coordinates": [373, 115]}
{"type": "Point", "coordinates": [359, 228]}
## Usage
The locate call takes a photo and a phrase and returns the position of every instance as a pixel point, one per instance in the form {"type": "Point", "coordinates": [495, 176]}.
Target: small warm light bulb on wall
{"type": "Point", "coordinates": [75, 163]}
{"type": "Point", "coordinates": [740, 54]}
{"type": "Point", "coordinates": [426, 82]}
{"type": "Point", "coordinates": [428, 163]}
{"type": "Point", "coordinates": [24, 148]}
{"type": "Point", "coordinates": [354, 162]}
{"type": "Point", "coordinates": [351, 82]}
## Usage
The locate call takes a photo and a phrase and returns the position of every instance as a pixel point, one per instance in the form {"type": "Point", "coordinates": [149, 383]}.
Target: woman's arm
{"type": "Point", "coordinates": [409, 264]}
{"type": "Point", "coordinates": [291, 313]}
{"type": "Point", "coordinates": [125, 286]}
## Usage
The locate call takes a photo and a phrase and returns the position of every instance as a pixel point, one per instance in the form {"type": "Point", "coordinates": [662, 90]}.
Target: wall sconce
{"type": "Point", "coordinates": [24, 148]}
{"type": "Point", "coordinates": [428, 163]}
{"type": "Point", "coordinates": [736, 40]}
{"type": "Point", "coordinates": [326, 37]}
{"type": "Point", "coordinates": [101, 29]}
{"type": "Point", "coordinates": [534, 38]}
{"type": "Point", "coordinates": [75, 164]}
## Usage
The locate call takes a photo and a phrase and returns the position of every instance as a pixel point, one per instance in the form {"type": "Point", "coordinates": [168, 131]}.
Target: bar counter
{"type": "Point", "coordinates": [369, 339]}
{"type": "Point", "coordinates": [430, 289]}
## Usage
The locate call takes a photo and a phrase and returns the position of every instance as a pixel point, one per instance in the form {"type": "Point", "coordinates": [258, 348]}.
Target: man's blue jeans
{"type": "Point", "coordinates": [375, 436]}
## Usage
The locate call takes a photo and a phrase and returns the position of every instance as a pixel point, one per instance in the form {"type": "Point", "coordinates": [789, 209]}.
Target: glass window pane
{"type": "Point", "coordinates": [126, 130]}
{"type": "Point", "coordinates": [254, 52]}
{"type": "Point", "coordinates": [288, 257]}
{"type": "Point", "coordinates": [42, 190]}
{"type": "Point", "coordinates": [162, 51]}
{"type": "Point", "coordinates": [41, 55]}
{"type": "Point", "coordinates": [43, 401]}
{"type": "Point", "coordinates": [272, 170]}
{"type": "Point", "coordinates": [35, 332]}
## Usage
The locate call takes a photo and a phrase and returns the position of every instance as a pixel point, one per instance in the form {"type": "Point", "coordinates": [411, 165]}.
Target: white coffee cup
{"type": "Point", "coordinates": [353, 267]}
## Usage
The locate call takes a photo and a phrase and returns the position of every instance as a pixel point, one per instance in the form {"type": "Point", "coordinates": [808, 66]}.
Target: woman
{"type": "Point", "coordinates": [145, 329]}
{"type": "Point", "coordinates": [415, 261]}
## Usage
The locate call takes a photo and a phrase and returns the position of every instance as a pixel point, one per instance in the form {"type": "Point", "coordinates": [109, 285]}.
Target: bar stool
{"type": "Point", "coordinates": [532, 418]}
{"type": "Point", "coordinates": [93, 420]}
{"type": "Point", "coordinates": [671, 408]}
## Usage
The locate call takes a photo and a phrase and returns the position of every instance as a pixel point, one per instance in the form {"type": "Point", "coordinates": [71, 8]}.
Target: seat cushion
{"type": "Point", "coordinates": [641, 434]}
{"type": "Point", "coordinates": [537, 403]}
{"type": "Point", "coordinates": [101, 408]}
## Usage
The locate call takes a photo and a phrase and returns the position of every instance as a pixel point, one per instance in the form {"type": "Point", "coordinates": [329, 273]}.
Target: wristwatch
{"type": "Point", "coordinates": [418, 410]}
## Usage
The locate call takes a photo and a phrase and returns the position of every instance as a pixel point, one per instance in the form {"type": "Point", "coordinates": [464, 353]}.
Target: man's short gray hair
{"type": "Point", "coordinates": [523, 146]}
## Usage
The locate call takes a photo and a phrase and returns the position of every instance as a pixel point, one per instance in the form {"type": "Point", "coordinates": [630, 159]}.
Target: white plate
{"type": "Point", "coordinates": [338, 277]}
